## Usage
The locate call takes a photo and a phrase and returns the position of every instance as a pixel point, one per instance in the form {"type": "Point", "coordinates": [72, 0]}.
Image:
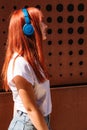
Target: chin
{"type": "Point", "coordinates": [44, 37]}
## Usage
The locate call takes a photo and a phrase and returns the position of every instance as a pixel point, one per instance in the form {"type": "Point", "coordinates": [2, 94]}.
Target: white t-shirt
{"type": "Point", "coordinates": [42, 90]}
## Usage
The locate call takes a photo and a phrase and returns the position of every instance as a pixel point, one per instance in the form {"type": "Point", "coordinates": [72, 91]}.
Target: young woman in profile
{"type": "Point", "coordinates": [24, 71]}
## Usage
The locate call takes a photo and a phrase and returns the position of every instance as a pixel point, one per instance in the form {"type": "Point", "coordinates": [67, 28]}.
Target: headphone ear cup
{"type": "Point", "coordinates": [28, 29]}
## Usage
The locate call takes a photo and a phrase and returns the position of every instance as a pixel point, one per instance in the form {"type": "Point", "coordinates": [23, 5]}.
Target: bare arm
{"type": "Point", "coordinates": [27, 95]}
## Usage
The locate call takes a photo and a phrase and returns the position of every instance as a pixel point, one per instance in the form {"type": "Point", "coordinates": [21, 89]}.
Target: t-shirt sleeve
{"type": "Point", "coordinates": [22, 68]}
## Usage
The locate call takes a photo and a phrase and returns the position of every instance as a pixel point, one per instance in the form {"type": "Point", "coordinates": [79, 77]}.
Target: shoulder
{"type": "Point", "coordinates": [20, 67]}
{"type": "Point", "coordinates": [20, 62]}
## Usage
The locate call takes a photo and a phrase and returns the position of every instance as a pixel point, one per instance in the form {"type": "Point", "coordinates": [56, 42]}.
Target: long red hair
{"type": "Point", "coordinates": [28, 47]}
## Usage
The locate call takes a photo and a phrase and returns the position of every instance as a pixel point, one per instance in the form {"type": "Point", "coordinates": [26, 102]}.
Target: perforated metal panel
{"type": "Point", "coordinates": [65, 50]}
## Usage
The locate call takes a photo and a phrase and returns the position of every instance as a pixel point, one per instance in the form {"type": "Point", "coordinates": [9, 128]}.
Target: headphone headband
{"type": "Point", "coordinates": [26, 15]}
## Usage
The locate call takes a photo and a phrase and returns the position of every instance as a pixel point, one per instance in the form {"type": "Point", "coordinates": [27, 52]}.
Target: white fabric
{"type": "Point", "coordinates": [42, 90]}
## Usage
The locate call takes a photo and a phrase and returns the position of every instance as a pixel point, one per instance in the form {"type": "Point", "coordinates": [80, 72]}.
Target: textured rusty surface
{"type": "Point", "coordinates": [6, 110]}
{"type": "Point", "coordinates": [69, 108]}
{"type": "Point", "coordinates": [65, 50]}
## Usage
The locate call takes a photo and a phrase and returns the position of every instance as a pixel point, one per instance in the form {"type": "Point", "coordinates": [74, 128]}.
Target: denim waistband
{"type": "Point", "coordinates": [23, 113]}
{"type": "Point", "coordinates": [20, 113]}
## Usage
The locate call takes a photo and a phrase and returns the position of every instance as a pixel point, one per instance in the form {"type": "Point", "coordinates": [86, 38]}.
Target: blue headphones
{"type": "Point", "coordinates": [27, 27]}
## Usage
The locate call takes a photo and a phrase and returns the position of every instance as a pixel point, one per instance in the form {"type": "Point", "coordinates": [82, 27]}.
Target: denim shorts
{"type": "Point", "coordinates": [21, 121]}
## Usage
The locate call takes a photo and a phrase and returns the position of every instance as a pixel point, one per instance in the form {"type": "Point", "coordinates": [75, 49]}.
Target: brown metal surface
{"type": "Point", "coordinates": [69, 108]}
{"type": "Point", "coordinates": [65, 50]}
{"type": "Point", "coordinates": [6, 110]}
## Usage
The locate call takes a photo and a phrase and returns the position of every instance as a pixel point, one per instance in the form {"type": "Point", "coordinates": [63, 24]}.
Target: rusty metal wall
{"type": "Point", "coordinates": [65, 50]}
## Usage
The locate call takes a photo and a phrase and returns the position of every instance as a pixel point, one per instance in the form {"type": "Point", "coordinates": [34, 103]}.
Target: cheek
{"type": "Point", "coordinates": [43, 30]}
{"type": "Point", "coordinates": [42, 26]}
{"type": "Point", "coordinates": [44, 34]}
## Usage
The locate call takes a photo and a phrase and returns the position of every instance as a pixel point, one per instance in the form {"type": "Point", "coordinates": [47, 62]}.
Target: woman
{"type": "Point", "coordinates": [24, 71]}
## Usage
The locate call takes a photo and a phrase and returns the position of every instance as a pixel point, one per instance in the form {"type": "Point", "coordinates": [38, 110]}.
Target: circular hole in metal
{"type": "Point", "coordinates": [38, 7]}
{"type": "Point", "coordinates": [4, 32]}
{"type": "Point", "coordinates": [70, 30]}
{"type": "Point", "coordinates": [80, 41]}
{"type": "Point", "coordinates": [3, 20]}
{"type": "Point", "coordinates": [80, 30]}
{"type": "Point", "coordinates": [50, 53]}
{"type": "Point", "coordinates": [80, 63]}
{"type": "Point", "coordinates": [60, 19]}
{"type": "Point", "coordinates": [80, 18]}
{"type": "Point", "coordinates": [70, 53]}
{"type": "Point", "coordinates": [81, 7]}
{"type": "Point", "coordinates": [71, 63]}
{"type": "Point", "coordinates": [5, 44]}
{"type": "Point", "coordinates": [50, 65]}
{"type": "Point", "coordinates": [60, 75]}
{"type": "Point", "coordinates": [49, 42]}
{"type": "Point", "coordinates": [71, 74]}
{"type": "Point", "coordinates": [70, 41]}
{"type": "Point", "coordinates": [70, 19]}
{"type": "Point", "coordinates": [70, 7]}
{"type": "Point", "coordinates": [60, 30]}
{"type": "Point", "coordinates": [81, 52]}
{"type": "Point", "coordinates": [49, 19]}
{"type": "Point", "coordinates": [60, 53]}
{"type": "Point", "coordinates": [59, 7]}
{"type": "Point", "coordinates": [81, 73]}
{"type": "Point", "coordinates": [2, 7]}
{"type": "Point", "coordinates": [60, 64]}
{"type": "Point", "coordinates": [49, 31]}
{"type": "Point", "coordinates": [14, 7]}
{"type": "Point", "coordinates": [49, 7]}
{"type": "Point", "coordinates": [60, 42]}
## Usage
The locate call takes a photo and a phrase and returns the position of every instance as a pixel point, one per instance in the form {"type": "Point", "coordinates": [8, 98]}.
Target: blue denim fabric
{"type": "Point", "coordinates": [21, 121]}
